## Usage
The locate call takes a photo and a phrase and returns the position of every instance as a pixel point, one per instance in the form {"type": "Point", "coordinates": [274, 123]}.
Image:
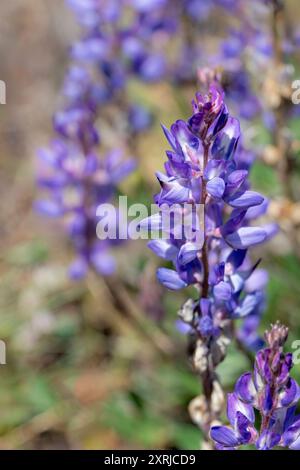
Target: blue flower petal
{"type": "Point", "coordinates": [78, 269]}
{"type": "Point", "coordinates": [164, 249]}
{"type": "Point", "coordinates": [226, 140]}
{"type": "Point", "coordinates": [268, 440]}
{"type": "Point", "coordinates": [291, 437]}
{"type": "Point", "coordinates": [170, 279]}
{"type": "Point", "coordinates": [290, 394]}
{"type": "Point", "coordinates": [49, 208]}
{"type": "Point", "coordinates": [223, 291]}
{"type": "Point", "coordinates": [245, 388]}
{"type": "Point", "coordinates": [234, 404]}
{"type": "Point", "coordinates": [245, 200]}
{"type": "Point", "coordinates": [188, 252]}
{"type": "Point", "coordinates": [224, 435]}
{"type": "Point", "coordinates": [215, 187]}
{"type": "Point", "coordinates": [153, 222]}
{"type": "Point", "coordinates": [245, 237]}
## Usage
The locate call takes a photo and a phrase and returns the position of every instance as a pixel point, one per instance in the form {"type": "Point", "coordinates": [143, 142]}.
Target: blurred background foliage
{"type": "Point", "coordinates": [80, 373]}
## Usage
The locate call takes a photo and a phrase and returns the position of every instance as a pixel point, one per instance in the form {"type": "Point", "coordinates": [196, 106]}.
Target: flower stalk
{"type": "Point", "coordinates": [206, 167]}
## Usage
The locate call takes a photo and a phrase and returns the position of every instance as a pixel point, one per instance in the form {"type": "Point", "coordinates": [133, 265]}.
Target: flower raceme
{"type": "Point", "coordinates": [271, 391]}
{"type": "Point", "coordinates": [206, 165]}
{"type": "Point", "coordinates": [124, 39]}
{"type": "Point", "coordinates": [76, 178]}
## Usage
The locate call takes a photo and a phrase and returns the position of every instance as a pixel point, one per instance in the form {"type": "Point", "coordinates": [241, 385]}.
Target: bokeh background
{"type": "Point", "coordinates": [81, 372]}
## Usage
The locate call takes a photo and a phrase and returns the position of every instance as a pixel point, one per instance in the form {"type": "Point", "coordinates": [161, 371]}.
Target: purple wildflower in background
{"type": "Point", "coordinates": [273, 392]}
{"type": "Point", "coordinates": [205, 166]}
{"type": "Point", "coordinates": [199, 10]}
{"type": "Point", "coordinates": [75, 177]}
{"type": "Point", "coordinates": [124, 39]}
{"type": "Point", "coordinates": [236, 80]}
{"type": "Point", "coordinates": [246, 60]}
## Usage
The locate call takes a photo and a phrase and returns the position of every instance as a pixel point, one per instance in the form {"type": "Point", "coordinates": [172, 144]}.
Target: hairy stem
{"type": "Point", "coordinates": [204, 249]}
{"type": "Point", "coordinates": [203, 346]}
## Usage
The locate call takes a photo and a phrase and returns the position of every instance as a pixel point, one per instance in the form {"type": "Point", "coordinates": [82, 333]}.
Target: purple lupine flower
{"type": "Point", "coordinates": [121, 49]}
{"type": "Point", "coordinates": [204, 167]}
{"type": "Point", "coordinates": [273, 392]}
{"type": "Point", "coordinates": [76, 178]}
{"type": "Point", "coordinates": [246, 57]}
{"type": "Point", "coordinates": [236, 80]}
{"type": "Point", "coordinates": [199, 10]}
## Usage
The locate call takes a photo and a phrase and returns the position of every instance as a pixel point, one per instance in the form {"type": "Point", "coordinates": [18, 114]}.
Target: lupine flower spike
{"type": "Point", "coordinates": [76, 178]}
{"type": "Point", "coordinates": [206, 168]}
{"type": "Point", "coordinates": [272, 392]}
